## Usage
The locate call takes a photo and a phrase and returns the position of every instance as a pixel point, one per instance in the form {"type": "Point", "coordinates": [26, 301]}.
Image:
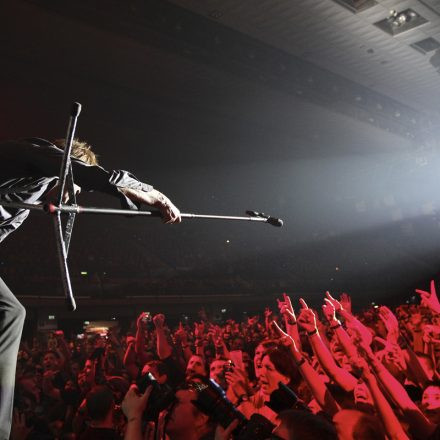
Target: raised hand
{"type": "Point", "coordinates": [159, 320]}
{"type": "Point", "coordinates": [329, 311]}
{"type": "Point", "coordinates": [140, 322]}
{"type": "Point", "coordinates": [267, 313]}
{"type": "Point", "coordinates": [335, 303]}
{"type": "Point", "coordinates": [19, 429]}
{"type": "Point", "coordinates": [199, 329]}
{"type": "Point", "coordinates": [181, 334]}
{"type": "Point", "coordinates": [431, 334]}
{"type": "Point", "coordinates": [390, 322]}
{"type": "Point", "coordinates": [286, 309]}
{"type": "Point", "coordinates": [345, 301]}
{"type": "Point", "coordinates": [306, 318]}
{"type": "Point", "coordinates": [134, 403]}
{"type": "Point", "coordinates": [430, 299]}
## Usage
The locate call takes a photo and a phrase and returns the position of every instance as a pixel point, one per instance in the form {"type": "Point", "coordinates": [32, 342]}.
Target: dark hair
{"type": "Point", "coordinates": [434, 383]}
{"type": "Point", "coordinates": [268, 344]}
{"type": "Point", "coordinates": [99, 402]}
{"type": "Point", "coordinates": [368, 428]}
{"type": "Point", "coordinates": [283, 363]}
{"type": "Point", "coordinates": [303, 425]}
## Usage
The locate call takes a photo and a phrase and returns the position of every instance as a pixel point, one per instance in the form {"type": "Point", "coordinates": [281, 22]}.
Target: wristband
{"type": "Point", "coordinates": [313, 332]}
{"type": "Point", "coordinates": [338, 324]}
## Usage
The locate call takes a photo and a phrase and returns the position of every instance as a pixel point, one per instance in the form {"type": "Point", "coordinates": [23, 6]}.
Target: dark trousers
{"type": "Point", "coordinates": [12, 315]}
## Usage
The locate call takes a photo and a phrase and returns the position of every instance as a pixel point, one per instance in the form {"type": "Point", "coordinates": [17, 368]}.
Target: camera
{"type": "Point", "coordinates": [161, 397]}
{"type": "Point", "coordinates": [284, 398]}
{"type": "Point", "coordinates": [212, 401]}
{"type": "Point", "coordinates": [228, 366]}
{"type": "Point", "coordinates": [148, 321]}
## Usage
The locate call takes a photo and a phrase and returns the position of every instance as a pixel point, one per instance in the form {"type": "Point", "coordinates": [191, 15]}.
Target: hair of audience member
{"type": "Point", "coordinates": [368, 427]}
{"type": "Point", "coordinates": [282, 361]}
{"type": "Point", "coordinates": [80, 150]}
{"type": "Point", "coordinates": [343, 398]}
{"type": "Point", "coordinates": [267, 344]}
{"type": "Point", "coordinates": [433, 383]}
{"type": "Point", "coordinates": [99, 402]}
{"type": "Point", "coordinates": [303, 425]}
{"type": "Point", "coordinates": [358, 425]}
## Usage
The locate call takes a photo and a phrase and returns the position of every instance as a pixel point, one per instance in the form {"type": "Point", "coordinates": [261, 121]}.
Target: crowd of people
{"type": "Point", "coordinates": [289, 373]}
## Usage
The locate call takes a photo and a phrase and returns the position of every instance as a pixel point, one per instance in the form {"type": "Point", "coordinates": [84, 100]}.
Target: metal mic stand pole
{"type": "Point", "coordinates": [63, 242]}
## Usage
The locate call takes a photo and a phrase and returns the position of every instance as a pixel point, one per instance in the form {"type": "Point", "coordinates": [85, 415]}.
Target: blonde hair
{"type": "Point", "coordinates": [80, 150]}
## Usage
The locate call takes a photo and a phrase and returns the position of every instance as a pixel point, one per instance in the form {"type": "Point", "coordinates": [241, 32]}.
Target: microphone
{"type": "Point", "coordinates": [75, 110]}
{"type": "Point", "coordinates": [275, 222]}
{"type": "Point", "coordinates": [271, 220]}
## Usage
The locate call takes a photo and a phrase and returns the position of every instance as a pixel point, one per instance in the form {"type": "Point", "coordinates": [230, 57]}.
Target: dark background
{"type": "Point", "coordinates": [221, 122]}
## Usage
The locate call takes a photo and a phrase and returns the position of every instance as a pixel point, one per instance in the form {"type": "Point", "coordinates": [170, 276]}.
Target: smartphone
{"type": "Point", "coordinates": [237, 358]}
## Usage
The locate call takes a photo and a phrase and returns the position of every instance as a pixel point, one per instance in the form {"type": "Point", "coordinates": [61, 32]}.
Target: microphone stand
{"type": "Point", "coordinates": [72, 209]}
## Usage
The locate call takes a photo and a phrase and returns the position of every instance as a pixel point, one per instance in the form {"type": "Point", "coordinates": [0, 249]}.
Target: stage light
{"type": "Point", "coordinates": [398, 22]}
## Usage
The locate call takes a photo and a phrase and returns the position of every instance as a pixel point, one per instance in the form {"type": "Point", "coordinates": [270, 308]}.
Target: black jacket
{"type": "Point", "coordinates": [29, 168]}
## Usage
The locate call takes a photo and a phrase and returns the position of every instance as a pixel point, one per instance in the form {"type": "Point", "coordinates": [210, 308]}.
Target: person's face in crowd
{"type": "Point", "coordinates": [362, 394]}
{"type": "Point", "coordinates": [345, 422]}
{"type": "Point", "coordinates": [185, 420]}
{"type": "Point", "coordinates": [50, 362]}
{"type": "Point", "coordinates": [258, 356]}
{"type": "Point", "coordinates": [195, 366]}
{"type": "Point", "coordinates": [216, 372]}
{"type": "Point", "coordinates": [75, 368]}
{"type": "Point", "coordinates": [431, 403]}
{"type": "Point", "coordinates": [270, 377]}
{"type": "Point", "coordinates": [88, 366]}
{"type": "Point", "coordinates": [237, 344]}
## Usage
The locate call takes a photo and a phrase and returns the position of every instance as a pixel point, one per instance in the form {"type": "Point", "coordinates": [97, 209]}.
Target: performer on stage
{"type": "Point", "coordinates": [29, 171]}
